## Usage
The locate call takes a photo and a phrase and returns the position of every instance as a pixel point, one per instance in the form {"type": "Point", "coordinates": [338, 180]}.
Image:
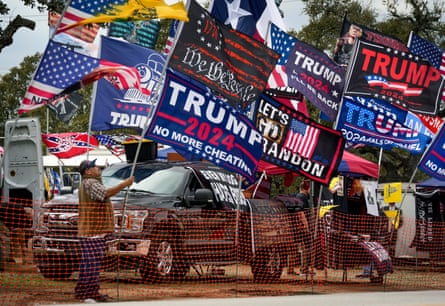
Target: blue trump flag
{"type": "Point", "coordinates": [377, 123]}
{"type": "Point", "coordinates": [114, 108]}
{"type": "Point", "coordinates": [190, 118]}
{"type": "Point", "coordinates": [433, 161]}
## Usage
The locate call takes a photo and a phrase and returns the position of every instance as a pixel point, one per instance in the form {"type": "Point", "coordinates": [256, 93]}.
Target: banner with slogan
{"type": "Point", "coordinates": [295, 142]}
{"type": "Point", "coordinates": [426, 239]}
{"type": "Point", "coordinates": [189, 118]}
{"type": "Point", "coordinates": [433, 161]}
{"type": "Point", "coordinates": [225, 186]}
{"type": "Point", "coordinates": [233, 64]}
{"type": "Point", "coordinates": [399, 78]}
{"type": "Point", "coordinates": [376, 123]}
{"type": "Point", "coordinates": [316, 76]}
{"type": "Point", "coordinates": [114, 108]}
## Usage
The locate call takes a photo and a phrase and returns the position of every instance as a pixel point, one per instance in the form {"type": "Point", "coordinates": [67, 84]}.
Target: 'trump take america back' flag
{"type": "Point", "coordinates": [295, 142]}
{"type": "Point", "coordinates": [316, 76]}
{"type": "Point", "coordinates": [189, 118]}
{"type": "Point", "coordinates": [399, 78]}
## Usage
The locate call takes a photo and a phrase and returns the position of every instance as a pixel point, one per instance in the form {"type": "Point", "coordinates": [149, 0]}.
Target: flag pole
{"type": "Point", "coordinates": [154, 99]}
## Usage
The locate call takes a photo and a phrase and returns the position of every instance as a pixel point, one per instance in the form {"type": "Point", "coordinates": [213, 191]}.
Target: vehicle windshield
{"type": "Point", "coordinates": [113, 175]}
{"type": "Point", "coordinates": [169, 181]}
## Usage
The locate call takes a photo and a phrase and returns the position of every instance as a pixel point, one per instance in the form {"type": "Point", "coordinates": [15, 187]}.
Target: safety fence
{"type": "Point", "coordinates": [215, 253]}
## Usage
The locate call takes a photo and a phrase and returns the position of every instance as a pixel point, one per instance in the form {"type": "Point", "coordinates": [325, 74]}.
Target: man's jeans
{"type": "Point", "coordinates": [89, 268]}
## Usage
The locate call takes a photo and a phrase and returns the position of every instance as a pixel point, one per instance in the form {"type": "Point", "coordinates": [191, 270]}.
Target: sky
{"type": "Point", "coordinates": [27, 42]}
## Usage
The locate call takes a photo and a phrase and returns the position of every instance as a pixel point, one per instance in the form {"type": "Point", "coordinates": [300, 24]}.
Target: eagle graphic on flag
{"type": "Point", "coordinates": [67, 145]}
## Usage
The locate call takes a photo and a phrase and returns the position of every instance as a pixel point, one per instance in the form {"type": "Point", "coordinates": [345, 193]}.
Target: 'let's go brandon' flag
{"type": "Point", "coordinates": [401, 78]}
{"type": "Point", "coordinates": [295, 142]}
{"type": "Point", "coordinates": [231, 63]}
{"type": "Point", "coordinates": [191, 119]}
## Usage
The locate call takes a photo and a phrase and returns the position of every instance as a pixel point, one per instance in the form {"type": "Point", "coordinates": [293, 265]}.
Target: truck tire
{"type": "Point", "coordinates": [267, 265]}
{"type": "Point", "coordinates": [55, 272]}
{"type": "Point", "coordinates": [164, 261]}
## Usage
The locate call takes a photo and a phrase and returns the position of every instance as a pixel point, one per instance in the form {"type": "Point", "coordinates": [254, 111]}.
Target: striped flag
{"type": "Point", "coordinates": [62, 71]}
{"type": "Point", "coordinates": [67, 145]}
{"type": "Point", "coordinates": [428, 51]}
{"type": "Point", "coordinates": [302, 138]}
{"type": "Point", "coordinates": [87, 33]}
{"type": "Point", "coordinates": [282, 43]}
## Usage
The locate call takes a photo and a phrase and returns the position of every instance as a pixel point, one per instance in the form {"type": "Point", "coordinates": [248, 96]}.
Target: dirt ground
{"type": "Point", "coordinates": [23, 285]}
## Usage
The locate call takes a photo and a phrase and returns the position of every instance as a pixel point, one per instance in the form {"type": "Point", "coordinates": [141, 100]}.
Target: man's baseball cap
{"type": "Point", "coordinates": [86, 164]}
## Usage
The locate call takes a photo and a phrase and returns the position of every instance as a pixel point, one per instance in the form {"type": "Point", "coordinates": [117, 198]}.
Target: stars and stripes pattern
{"type": "Point", "coordinates": [62, 71]}
{"type": "Point", "coordinates": [115, 142]}
{"type": "Point", "coordinates": [302, 138]}
{"type": "Point", "coordinates": [428, 51]}
{"type": "Point", "coordinates": [79, 10]}
{"type": "Point", "coordinates": [282, 43]}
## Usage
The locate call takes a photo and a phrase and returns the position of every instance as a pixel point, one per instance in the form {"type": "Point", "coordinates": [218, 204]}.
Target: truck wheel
{"type": "Point", "coordinates": [267, 265]}
{"type": "Point", "coordinates": [55, 273]}
{"type": "Point", "coordinates": [163, 262]}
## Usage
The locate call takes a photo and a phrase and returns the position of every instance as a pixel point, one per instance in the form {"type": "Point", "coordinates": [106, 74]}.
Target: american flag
{"type": "Point", "coordinates": [302, 138]}
{"type": "Point", "coordinates": [171, 37]}
{"type": "Point", "coordinates": [114, 143]}
{"type": "Point", "coordinates": [428, 51]}
{"type": "Point", "coordinates": [62, 70]}
{"type": "Point", "coordinates": [254, 18]}
{"type": "Point", "coordinates": [282, 43]}
{"type": "Point", "coordinates": [81, 9]}
{"type": "Point", "coordinates": [87, 33]}
{"type": "Point", "coordinates": [67, 145]}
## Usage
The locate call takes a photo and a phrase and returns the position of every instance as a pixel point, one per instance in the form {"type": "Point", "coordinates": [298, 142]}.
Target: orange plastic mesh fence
{"type": "Point", "coordinates": [208, 253]}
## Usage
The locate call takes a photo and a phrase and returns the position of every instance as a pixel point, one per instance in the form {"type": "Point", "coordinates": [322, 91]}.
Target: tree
{"type": "Point", "coordinates": [7, 34]}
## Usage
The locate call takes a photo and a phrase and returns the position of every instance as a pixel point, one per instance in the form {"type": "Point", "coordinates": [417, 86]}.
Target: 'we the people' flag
{"type": "Point", "coordinates": [190, 118]}
{"type": "Point", "coordinates": [399, 78]}
{"type": "Point", "coordinates": [229, 62]}
{"type": "Point", "coordinates": [295, 142]}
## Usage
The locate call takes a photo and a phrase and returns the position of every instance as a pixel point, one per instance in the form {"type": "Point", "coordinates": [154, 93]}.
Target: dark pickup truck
{"type": "Point", "coordinates": [176, 215]}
